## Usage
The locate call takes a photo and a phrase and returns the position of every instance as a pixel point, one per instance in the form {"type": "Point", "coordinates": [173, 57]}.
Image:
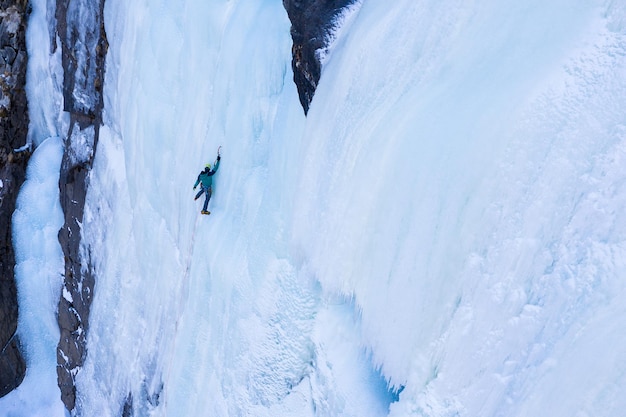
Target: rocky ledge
{"type": "Point", "coordinates": [13, 159]}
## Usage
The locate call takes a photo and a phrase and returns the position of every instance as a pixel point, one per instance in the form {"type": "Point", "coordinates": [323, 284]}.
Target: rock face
{"type": "Point", "coordinates": [13, 130]}
{"type": "Point", "coordinates": [80, 27]}
{"type": "Point", "coordinates": [311, 23]}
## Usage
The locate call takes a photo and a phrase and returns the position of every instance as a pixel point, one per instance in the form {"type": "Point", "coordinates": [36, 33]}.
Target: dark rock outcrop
{"type": "Point", "coordinates": [13, 131]}
{"type": "Point", "coordinates": [311, 23]}
{"type": "Point", "coordinates": [80, 27]}
{"type": "Point", "coordinates": [127, 411]}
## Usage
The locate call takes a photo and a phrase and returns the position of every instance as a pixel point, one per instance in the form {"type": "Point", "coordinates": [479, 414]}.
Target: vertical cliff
{"type": "Point", "coordinates": [80, 27]}
{"type": "Point", "coordinates": [13, 159]}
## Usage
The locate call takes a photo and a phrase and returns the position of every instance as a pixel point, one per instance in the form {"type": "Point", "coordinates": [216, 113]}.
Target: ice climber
{"type": "Point", "coordinates": [205, 179]}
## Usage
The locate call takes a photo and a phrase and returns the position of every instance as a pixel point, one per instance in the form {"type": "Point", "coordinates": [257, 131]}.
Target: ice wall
{"type": "Point", "coordinates": [195, 315]}
{"type": "Point", "coordinates": [461, 181]}
{"type": "Point", "coordinates": [449, 213]}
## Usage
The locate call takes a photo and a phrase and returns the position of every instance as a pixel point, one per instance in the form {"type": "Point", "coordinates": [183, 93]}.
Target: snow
{"type": "Point", "coordinates": [340, 24]}
{"type": "Point", "coordinates": [26, 147]}
{"type": "Point", "coordinates": [442, 235]}
{"type": "Point", "coordinates": [81, 144]}
{"type": "Point", "coordinates": [67, 295]}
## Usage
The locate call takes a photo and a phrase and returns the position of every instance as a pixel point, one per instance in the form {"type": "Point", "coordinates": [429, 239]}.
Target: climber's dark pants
{"type": "Point", "coordinates": [208, 195]}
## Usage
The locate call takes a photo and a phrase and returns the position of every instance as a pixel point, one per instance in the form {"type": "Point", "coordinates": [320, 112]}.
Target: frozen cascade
{"type": "Point", "coordinates": [36, 223]}
{"type": "Point", "coordinates": [448, 219]}
{"type": "Point", "coordinates": [225, 309]}
{"type": "Point", "coordinates": [39, 267]}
